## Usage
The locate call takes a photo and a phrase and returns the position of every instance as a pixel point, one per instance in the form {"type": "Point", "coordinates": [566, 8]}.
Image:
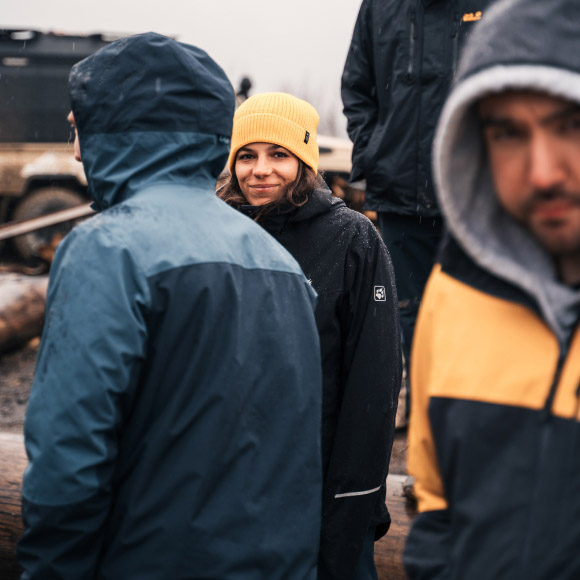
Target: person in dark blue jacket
{"type": "Point", "coordinates": [173, 429]}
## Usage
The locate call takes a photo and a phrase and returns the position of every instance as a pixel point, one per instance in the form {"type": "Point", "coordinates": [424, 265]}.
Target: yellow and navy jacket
{"type": "Point", "coordinates": [495, 433]}
{"type": "Point", "coordinates": [495, 378]}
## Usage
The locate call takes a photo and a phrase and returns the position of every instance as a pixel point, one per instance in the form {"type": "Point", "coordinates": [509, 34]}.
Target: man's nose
{"type": "Point", "coordinates": [547, 165]}
{"type": "Point", "coordinates": [262, 167]}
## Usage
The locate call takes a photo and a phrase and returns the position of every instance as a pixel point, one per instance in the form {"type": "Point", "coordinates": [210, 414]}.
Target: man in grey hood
{"type": "Point", "coordinates": [495, 434]}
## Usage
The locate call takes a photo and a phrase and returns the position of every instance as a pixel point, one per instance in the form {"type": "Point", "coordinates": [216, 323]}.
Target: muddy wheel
{"type": "Point", "coordinates": [38, 203]}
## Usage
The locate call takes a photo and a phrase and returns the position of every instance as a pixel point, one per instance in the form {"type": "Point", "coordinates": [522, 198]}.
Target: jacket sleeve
{"type": "Point", "coordinates": [426, 551]}
{"type": "Point", "coordinates": [358, 89]}
{"type": "Point", "coordinates": [354, 489]}
{"type": "Point", "coordinates": [90, 356]}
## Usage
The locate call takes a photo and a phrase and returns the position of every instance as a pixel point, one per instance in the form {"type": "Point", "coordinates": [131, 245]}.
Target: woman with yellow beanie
{"type": "Point", "coordinates": [273, 179]}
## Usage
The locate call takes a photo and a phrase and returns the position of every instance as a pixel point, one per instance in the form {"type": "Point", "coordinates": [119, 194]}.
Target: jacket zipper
{"type": "Point", "coordinates": [545, 421]}
{"type": "Point", "coordinates": [547, 411]}
{"type": "Point", "coordinates": [411, 45]}
{"type": "Point", "coordinates": [455, 36]}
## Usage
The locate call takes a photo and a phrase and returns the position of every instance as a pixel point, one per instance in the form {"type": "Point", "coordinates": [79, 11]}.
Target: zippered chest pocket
{"type": "Point", "coordinates": [436, 57]}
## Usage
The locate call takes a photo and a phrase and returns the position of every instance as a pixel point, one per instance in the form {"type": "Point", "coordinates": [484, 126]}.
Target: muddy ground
{"type": "Point", "coordinates": [17, 372]}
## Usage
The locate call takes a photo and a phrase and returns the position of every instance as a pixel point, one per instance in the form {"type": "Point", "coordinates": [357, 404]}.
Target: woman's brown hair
{"type": "Point", "coordinates": [295, 195]}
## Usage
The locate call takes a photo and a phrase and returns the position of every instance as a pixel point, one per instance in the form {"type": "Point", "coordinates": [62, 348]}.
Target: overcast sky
{"type": "Point", "coordinates": [297, 46]}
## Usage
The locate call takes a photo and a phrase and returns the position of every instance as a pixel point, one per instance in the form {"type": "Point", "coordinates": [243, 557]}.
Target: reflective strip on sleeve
{"type": "Point", "coordinates": [354, 493]}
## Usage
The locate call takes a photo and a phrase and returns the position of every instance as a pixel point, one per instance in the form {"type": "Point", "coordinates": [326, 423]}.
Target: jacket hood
{"type": "Point", "coordinates": [520, 44]}
{"type": "Point", "coordinates": [320, 200]}
{"type": "Point", "coordinates": [150, 110]}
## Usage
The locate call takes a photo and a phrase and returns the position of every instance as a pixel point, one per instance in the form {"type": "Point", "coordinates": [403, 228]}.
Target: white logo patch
{"type": "Point", "coordinates": [380, 294]}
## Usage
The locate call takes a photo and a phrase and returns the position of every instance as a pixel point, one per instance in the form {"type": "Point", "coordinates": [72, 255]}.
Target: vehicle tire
{"type": "Point", "coordinates": [38, 203]}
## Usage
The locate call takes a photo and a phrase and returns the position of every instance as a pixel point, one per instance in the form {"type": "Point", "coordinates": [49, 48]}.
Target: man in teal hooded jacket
{"type": "Point", "coordinates": [173, 429]}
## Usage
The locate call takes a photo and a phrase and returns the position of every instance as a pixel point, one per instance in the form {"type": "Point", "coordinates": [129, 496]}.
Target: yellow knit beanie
{"type": "Point", "coordinates": [280, 119]}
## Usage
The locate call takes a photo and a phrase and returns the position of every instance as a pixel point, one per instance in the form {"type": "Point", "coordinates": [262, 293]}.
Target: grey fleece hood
{"type": "Point", "coordinates": [519, 44]}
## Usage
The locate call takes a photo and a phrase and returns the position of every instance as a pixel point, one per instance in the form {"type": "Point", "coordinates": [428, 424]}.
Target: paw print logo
{"type": "Point", "coordinates": [380, 294]}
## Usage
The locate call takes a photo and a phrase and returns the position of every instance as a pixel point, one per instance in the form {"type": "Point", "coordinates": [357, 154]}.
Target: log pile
{"type": "Point", "coordinates": [22, 305]}
{"type": "Point", "coordinates": [12, 464]}
{"type": "Point", "coordinates": [388, 550]}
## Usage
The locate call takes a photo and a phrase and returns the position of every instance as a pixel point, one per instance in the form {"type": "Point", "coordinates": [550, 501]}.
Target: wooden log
{"type": "Point", "coordinates": [13, 229]}
{"type": "Point", "coordinates": [388, 550]}
{"type": "Point", "coordinates": [22, 306]}
{"type": "Point", "coordinates": [12, 464]}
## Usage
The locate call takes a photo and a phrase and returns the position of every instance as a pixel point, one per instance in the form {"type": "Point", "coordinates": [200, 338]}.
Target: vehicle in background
{"type": "Point", "coordinates": [335, 164]}
{"type": "Point", "coordinates": [38, 174]}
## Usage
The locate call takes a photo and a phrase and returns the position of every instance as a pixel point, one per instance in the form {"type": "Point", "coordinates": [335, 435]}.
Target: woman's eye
{"type": "Point", "coordinates": [244, 157]}
{"type": "Point", "coordinates": [280, 154]}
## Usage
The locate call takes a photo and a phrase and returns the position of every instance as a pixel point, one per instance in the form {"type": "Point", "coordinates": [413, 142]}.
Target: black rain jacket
{"type": "Point", "coordinates": [344, 258]}
{"type": "Point", "coordinates": [397, 74]}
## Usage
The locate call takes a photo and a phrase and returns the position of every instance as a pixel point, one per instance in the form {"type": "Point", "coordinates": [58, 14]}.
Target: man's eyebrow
{"type": "Point", "coordinates": [567, 110]}
{"type": "Point", "coordinates": [491, 121]}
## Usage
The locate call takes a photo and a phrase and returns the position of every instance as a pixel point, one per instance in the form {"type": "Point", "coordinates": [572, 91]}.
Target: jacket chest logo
{"type": "Point", "coordinates": [472, 16]}
{"type": "Point", "coordinates": [380, 294]}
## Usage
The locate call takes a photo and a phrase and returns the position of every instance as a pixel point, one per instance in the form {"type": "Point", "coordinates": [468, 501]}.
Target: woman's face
{"type": "Point", "coordinates": [264, 171]}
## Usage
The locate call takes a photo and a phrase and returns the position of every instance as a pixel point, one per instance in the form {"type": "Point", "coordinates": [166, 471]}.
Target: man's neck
{"type": "Point", "coordinates": [569, 269]}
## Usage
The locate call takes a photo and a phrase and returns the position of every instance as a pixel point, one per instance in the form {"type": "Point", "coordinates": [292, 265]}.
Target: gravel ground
{"type": "Point", "coordinates": [17, 372]}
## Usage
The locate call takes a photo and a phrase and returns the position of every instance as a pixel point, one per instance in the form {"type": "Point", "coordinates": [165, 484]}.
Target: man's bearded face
{"type": "Point", "coordinates": [533, 144]}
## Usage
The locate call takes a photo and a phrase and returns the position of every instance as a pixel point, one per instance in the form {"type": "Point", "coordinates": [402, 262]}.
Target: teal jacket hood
{"type": "Point", "coordinates": [150, 110]}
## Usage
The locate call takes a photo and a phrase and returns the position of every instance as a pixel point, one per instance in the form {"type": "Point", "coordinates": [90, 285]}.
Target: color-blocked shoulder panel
{"type": "Point", "coordinates": [187, 226]}
{"type": "Point", "coordinates": [484, 348]}
{"type": "Point", "coordinates": [566, 402]}
{"type": "Point", "coordinates": [471, 347]}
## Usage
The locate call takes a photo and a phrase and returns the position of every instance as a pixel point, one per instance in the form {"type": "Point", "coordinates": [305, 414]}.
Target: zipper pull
{"type": "Point", "coordinates": [411, 45]}
{"type": "Point", "coordinates": [456, 25]}
{"type": "Point", "coordinates": [547, 411]}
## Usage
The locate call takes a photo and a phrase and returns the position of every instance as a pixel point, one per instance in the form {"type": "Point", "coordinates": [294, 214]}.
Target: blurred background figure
{"type": "Point", "coordinates": [243, 91]}
{"type": "Point", "coordinates": [494, 439]}
{"type": "Point", "coordinates": [397, 74]}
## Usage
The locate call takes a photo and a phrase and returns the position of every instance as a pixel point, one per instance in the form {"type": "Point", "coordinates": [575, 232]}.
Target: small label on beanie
{"type": "Point", "coordinates": [306, 137]}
